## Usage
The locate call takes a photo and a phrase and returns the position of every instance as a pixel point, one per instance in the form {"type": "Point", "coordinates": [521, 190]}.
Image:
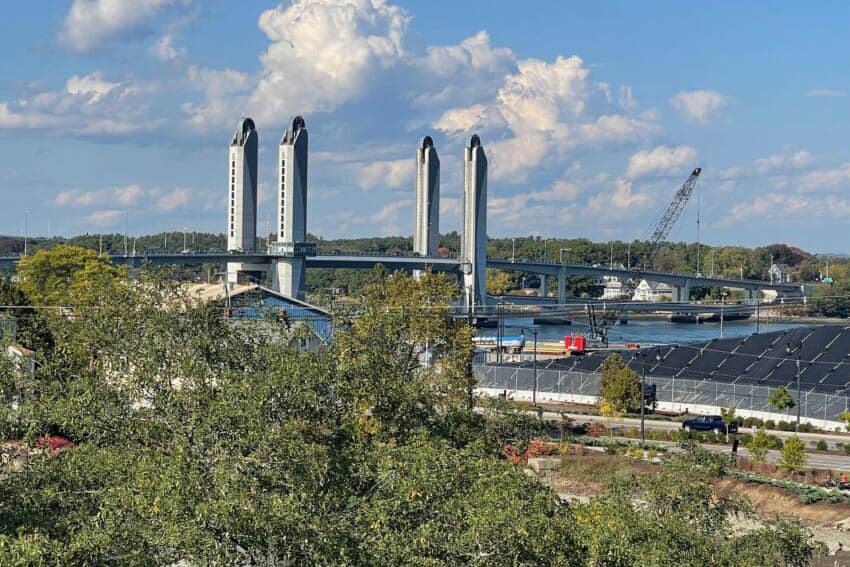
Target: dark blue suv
{"type": "Point", "coordinates": [713, 423]}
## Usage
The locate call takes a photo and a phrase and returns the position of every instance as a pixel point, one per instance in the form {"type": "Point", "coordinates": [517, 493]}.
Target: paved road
{"type": "Point", "coordinates": [819, 461]}
{"type": "Point", "coordinates": [832, 439]}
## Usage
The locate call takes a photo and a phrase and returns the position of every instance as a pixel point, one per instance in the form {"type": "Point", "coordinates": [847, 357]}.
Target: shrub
{"type": "Point", "coordinates": [846, 447]}
{"type": "Point", "coordinates": [807, 428]}
{"type": "Point", "coordinates": [822, 445]}
{"type": "Point", "coordinates": [595, 429]}
{"type": "Point", "coordinates": [793, 458]}
{"type": "Point", "coordinates": [634, 452]}
{"type": "Point", "coordinates": [758, 446]}
{"type": "Point", "coordinates": [770, 424]}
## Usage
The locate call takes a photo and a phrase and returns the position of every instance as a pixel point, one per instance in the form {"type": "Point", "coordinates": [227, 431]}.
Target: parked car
{"type": "Point", "coordinates": [713, 423]}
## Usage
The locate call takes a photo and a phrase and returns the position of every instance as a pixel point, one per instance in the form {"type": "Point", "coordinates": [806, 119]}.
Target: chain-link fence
{"type": "Point", "coordinates": [814, 405]}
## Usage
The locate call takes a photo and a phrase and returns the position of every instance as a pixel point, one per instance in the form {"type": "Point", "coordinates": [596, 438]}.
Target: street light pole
{"type": "Point", "coordinates": [722, 304]}
{"type": "Point", "coordinates": [534, 392]}
{"type": "Point", "coordinates": [642, 397]}
{"type": "Point", "coordinates": [513, 249]}
{"type": "Point", "coordinates": [561, 258]}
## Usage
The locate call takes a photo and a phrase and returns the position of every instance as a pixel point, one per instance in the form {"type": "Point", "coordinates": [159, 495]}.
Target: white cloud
{"type": "Point", "coordinates": [547, 109]}
{"type": "Point", "coordinates": [786, 161]}
{"type": "Point", "coordinates": [661, 160]}
{"type": "Point", "coordinates": [174, 199]}
{"type": "Point", "coordinates": [88, 105]}
{"type": "Point", "coordinates": [463, 73]}
{"type": "Point", "coordinates": [838, 177]}
{"type": "Point", "coordinates": [125, 196]}
{"type": "Point", "coordinates": [826, 92]}
{"type": "Point", "coordinates": [93, 86]}
{"type": "Point", "coordinates": [700, 106]}
{"type": "Point", "coordinates": [391, 174]}
{"type": "Point", "coordinates": [474, 118]}
{"type": "Point", "coordinates": [109, 217]}
{"type": "Point", "coordinates": [165, 50]}
{"type": "Point", "coordinates": [331, 49]}
{"type": "Point", "coordinates": [627, 100]}
{"type": "Point", "coordinates": [92, 23]}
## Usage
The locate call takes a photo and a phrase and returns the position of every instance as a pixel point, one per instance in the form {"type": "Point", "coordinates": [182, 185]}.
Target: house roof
{"type": "Point", "coordinates": [206, 292]}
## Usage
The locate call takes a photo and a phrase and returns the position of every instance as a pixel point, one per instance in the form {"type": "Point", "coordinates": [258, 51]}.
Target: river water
{"type": "Point", "coordinates": [650, 331]}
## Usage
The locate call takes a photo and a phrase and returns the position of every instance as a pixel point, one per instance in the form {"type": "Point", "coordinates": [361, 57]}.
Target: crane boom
{"type": "Point", "coordinates": [661, 230]}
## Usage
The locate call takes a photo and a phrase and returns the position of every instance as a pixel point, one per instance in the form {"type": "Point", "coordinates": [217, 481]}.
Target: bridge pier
{"type": "Point", "coordinates": [562, 287]}
{"type": "Point", "coordinates": [751, 295]}
{"type": "Point", "coordinates": [544, 290]}
{"type": "Point", "coordinates": [681, 294]}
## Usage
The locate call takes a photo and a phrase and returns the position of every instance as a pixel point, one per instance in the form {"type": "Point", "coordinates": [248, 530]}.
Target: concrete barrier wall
{"type": "Point", "coordinates": [673, 394]}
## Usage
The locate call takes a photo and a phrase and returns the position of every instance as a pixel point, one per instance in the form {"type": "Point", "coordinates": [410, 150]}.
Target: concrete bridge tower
{"type": "Point", "coordinates": [242, 193]}
{"type": "Point", "coordinates": [291, 212]}
{"type": "Point", "coordinates": [473, 243]}
{"type": "Point", "coordinates": [426, 233]}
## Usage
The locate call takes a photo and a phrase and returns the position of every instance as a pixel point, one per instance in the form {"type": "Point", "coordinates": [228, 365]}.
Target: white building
{"type": "Point", "coordinates": [652, 291]}
{"type": "Point", "coordinates": [779, 273]}
{"type": "Point", "coordinates": [615, 289]}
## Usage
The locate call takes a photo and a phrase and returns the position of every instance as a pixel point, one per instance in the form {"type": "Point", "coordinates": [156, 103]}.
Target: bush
{"type": "Point", "coordinates": [822, 445]}
{"type": "Point", "coordinates": [793, 458]}
{"type": "Point", "coordinates": [758, 446]}
{"type": "Point", "coordinates": [846, 447]}
{"type": "Point", "coordinates": [770, 424]}
{"type": "Point", "coordinates": [595, 429]}
{"type": "Point", "coordinates": [807, 428]}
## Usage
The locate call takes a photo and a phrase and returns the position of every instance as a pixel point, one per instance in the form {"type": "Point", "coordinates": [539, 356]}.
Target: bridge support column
{"type": "Point", "coordinates": [562, 287]}
{"type": "Point", "coordinates": [751, 295]}
{"type": "Point", "coordinates": [426, 230]}
{"type": "Point", "coordinates": [288, 277]}
{"type": "Point", "coordinates": [544, 289]}
{"type": "Point", "coordinates": [681, 294]}
{"type": "Point", "coordinates": [473, 243]}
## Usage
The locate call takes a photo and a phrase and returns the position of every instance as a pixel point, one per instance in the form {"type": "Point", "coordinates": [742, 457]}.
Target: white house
{"type": "Point", "coordinates": [779, 273]}
{"type": "Point", "coordinates": [652, 291]}
{"type": "Point", "coordinates": [616, 289]}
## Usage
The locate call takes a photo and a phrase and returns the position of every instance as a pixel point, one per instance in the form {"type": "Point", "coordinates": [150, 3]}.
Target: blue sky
{"type": "Point", "coordinates": [591, 113]}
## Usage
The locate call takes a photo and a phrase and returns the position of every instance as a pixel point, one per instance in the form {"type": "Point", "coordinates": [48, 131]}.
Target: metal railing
{"type": "Point", "coordinates": [814, 405]}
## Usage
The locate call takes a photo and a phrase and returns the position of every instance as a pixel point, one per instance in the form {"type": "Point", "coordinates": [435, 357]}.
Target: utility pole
{"type": "Point", "coordinates": [26, 230]}
{"type": "Point", "coordinates": [513, 249]}
{"type": "Point", "coordinates": [100, 244]}
{"type": "Point", "coordinates": [126, 225]}
{"type": "Point", "coordinates": [611, 259]}
{"type": "Point", "coordinates": [722, 304]}
{"type": "Point", "coordinates": [629, 256]}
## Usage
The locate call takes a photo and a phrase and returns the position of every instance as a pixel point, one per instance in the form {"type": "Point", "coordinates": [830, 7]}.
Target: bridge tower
{"type": "Point", "coordinates": [291, 212]}
{"type": "Point", "coordinates": [473, 244]}
{"type": "Point", "coordinates": [426, 234]}
{"type": "Point", "coordinates": [242, 190]}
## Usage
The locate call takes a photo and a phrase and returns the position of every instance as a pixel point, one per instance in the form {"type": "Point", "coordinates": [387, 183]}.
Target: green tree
{"type": "Point", "coordinates": [793, 458]}
{"type": "Point", "coordinates": [780, 399]}
{"type": "Point", "coordinates": [620, 386]}
{"type": "Point", "coordinates": [758, 446]}
{"type": "Point", "coordinates": [66, 274]}
{"type": "Point", "coordinates": [499, 282]}
{"type": "Point", "coordinates": [832, 300]}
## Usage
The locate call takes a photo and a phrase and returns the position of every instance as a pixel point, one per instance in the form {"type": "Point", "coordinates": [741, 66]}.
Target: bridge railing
{"type": "Point", "coordinates": [556, 384]}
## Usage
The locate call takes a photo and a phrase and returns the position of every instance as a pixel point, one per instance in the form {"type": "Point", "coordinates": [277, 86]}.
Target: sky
{"type": "Point", "coordinates": [117, 112]}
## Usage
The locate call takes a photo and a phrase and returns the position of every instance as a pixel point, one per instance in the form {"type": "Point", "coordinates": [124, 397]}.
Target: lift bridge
{"type": "Point", "coordinates": [290, 254]}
